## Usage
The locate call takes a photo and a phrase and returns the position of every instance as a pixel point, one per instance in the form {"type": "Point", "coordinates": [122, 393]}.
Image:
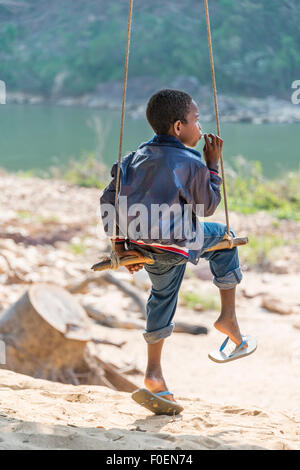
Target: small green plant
{"type": "Point", "coordinates": [24, 215]}
{"type": "Point", "coordinates": [261, 250]}
{"type": "Point", "coordinates": [208, 302]}
{"type": "Point", "coordinates": [77, 248]}
{"type": "Point", "coordinates": [248, 191]}
{"type": "Point", "coordinates": [87, 172]}
{"type": "Point", "coordinates": [47, 219]}
{"type": "Point", "coordinates": [28, 174]}
{"type": "Point", "coordinates": [275, 224]}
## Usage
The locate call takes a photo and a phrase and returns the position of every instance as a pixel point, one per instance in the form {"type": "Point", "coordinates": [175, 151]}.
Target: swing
{"type": "Point", "coordinates": [228, 242]}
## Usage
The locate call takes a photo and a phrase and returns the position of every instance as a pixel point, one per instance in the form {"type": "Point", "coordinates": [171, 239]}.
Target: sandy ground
{"type": "Point", "coordinates": [37, 414]}
{"type": "Point", "coordinates": [249, 404]}
{"type": "Point", "coordinates": [268, 378]}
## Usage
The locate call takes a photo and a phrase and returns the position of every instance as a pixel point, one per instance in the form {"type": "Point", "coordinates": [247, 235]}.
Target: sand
{"type": "Point", "coordinates": [37, 414]}
{"type": "Point", "coordinates": [248, 404]}
{"type": "Point", "coordinates": [269, 378]}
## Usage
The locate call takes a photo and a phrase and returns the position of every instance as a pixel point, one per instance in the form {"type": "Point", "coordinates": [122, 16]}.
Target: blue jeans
{"type": "Point", "coordinates": [167, 272]}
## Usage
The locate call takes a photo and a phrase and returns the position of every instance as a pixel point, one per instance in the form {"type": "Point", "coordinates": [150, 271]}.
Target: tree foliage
{"type": "Point", "coordinates": [256, 43]}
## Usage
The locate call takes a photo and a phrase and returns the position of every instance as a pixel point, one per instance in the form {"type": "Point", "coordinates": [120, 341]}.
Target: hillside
{"type": "Point", "coordinates": [52, 48]}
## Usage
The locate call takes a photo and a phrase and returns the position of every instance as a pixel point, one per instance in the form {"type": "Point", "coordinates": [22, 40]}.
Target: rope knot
{"type": "Point", "coordinates": [115, 261]}
{"type": "Point", "coordinates": [229, 238]}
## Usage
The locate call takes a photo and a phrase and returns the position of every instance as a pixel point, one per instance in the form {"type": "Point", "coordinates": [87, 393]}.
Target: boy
{"type": "Point", "coordinates": [168, 170]}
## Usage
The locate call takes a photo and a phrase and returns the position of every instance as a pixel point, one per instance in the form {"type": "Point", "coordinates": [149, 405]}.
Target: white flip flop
{"type": "Point", "coordinates": [156, 403]}
{"type": "Point", "coordinates": [221, 356]}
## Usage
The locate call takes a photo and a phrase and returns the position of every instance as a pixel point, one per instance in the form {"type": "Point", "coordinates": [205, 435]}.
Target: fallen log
{"type": "Point", "coordinates": [130, 370]}
{"type": "Point", "coordinates": [107, 342]}
{"type": "Point", "coordinates": [135, 324]}
{"type": "Point", "coordinates": [183, 327]}
{"type": "Point", "coordinates": [112, 321]}
{"type": "Point", "coordinates": [116, 378]}
{"type": "Point", "coordinates": [63, 235]}
{"type": "Point", "coordinates": [13, 277]}
{"type": "Point", "coordinates": [81, 287]}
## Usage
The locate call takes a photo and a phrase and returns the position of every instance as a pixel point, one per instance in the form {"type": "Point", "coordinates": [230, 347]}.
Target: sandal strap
{"type": "Point", "coordinates": [238, 348]}
{"type": "Point", "coordinates": [165, 392]}
{"type": "Point", "coordinates": [224, 344]}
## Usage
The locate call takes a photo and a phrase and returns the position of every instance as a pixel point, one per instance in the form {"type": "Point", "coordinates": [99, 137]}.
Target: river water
{"type": "Point", "coordinates": [41, 136]}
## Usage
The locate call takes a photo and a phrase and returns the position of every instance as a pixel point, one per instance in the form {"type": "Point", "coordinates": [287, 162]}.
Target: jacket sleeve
{"type": "Point", "coordinates": [108, 197]}
{"type": "Point", "coordinates": [205, 188]}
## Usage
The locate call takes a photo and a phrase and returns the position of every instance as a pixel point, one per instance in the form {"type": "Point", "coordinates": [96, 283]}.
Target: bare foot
{"type": "Point", "coordinates": [155, 382]}
{"type": "Point", "coordinates": [229, 326]}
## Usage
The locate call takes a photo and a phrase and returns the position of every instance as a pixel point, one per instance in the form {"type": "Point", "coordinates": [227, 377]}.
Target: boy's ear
{"type": "Point", "coordinates": [177, 127]}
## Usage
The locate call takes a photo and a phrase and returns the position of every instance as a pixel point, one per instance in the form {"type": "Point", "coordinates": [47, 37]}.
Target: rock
{"type": "Point", "coordinates": [279, 267]}
{"type": "Point", "coordinates": [141, 279]}
{"type": "Point", "coordinates": [108, 95]}
{"type": "Point", "coordinates": [267, 278]}
{"type": "Point", "coordinates": [275, 305]}
{"type": "Point", "coordinates": [202, 271]}
{"type": "Point", "coordinates": [199, 308]}
{"type": "Point", "coordinates": [251, 292]}
{"type": "Point", "coordinates": [22, 98]}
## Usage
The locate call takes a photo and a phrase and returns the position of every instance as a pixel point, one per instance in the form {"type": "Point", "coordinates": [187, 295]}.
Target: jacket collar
{"type": "Point", "coordinates": [169, 141]}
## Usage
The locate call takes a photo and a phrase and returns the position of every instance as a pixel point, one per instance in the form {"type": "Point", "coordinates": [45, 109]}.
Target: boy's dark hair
{"type": "Point", "coordinates": [166, 107]}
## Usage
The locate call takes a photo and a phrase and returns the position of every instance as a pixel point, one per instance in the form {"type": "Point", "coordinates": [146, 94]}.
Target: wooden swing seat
{"type": "Point", "coordinates": [106, 263]}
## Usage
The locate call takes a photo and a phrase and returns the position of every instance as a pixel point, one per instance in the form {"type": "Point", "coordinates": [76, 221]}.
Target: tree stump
{"type": "Point", "coordinates": [46, 333]}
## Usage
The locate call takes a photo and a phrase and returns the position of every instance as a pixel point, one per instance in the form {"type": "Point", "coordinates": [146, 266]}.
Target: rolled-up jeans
{"type": "Point", "coordinates": [167, 272]}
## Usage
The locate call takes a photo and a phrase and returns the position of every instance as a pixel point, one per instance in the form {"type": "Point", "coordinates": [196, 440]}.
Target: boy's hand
{"type": "Point", "coordinates": [121, 252]}
{"type": "Point", "coordinates": [133, 267]}
{"type": "Point", "coordinates": [212, 150]}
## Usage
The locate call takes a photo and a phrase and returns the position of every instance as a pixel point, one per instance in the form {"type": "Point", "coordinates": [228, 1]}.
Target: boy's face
{"type": "Point", "coordinates": [188, 133]}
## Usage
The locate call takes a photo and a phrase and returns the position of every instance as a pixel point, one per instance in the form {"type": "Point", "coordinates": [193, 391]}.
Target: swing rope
{"type": "Point", "coordinates": [213, 79]}
{"type": "Point", "coordinates": [114, 258]}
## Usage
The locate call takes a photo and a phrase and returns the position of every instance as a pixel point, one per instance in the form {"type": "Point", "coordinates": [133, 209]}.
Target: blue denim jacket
{"type": "Point", "coordinates": [163, 171]}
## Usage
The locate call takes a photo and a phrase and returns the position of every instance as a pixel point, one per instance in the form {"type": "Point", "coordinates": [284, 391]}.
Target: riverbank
{"type": "Point", "coordinates": [50, 232]}
{"type": "Point", "coordinates": [108, 96]}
